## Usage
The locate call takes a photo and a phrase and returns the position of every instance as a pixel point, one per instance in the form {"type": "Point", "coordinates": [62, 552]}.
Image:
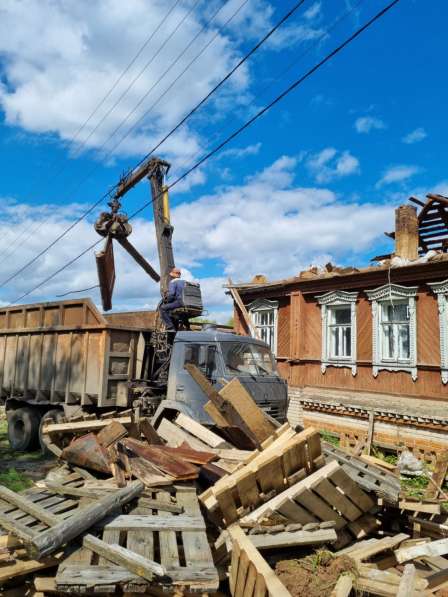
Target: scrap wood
{"type": "Point", "coordinates": [438, 476]}
{"type": "Point", "coordinates": [48, 541]}
{"type": "Point", "coordinates": [23, 567]}
{"type": "Point", "coordinates": [343, 586]}
{"type": "Point", "coordinates": [384, 582]}
{"type": "Point", "coordinates": [235, 416]}
{"type": "Point", "coordinates": [149, 432]}
{"type": "Point", "coordinates": [176, 436]}
{"type": "Point", "coordinates": [186, 453]}
{"type": "Point", "coordinates": [366, 551]}
{"type": "Point", "coordinates": [378, 462]}
{"type": "Point", "coordinates": [419, 506]}
{"type": "Point", "coordinates": [294, 539]}
{"type": "Point", "coordinates": [200, 431]}
{"type": "Point", "coordinates": [83, 426]}
{"type": "Point", "coordinates": [176, 467]}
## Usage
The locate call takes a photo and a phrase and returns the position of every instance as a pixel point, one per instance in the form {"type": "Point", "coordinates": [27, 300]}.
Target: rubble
{"type": "Point", "coordinates": [180, 509]}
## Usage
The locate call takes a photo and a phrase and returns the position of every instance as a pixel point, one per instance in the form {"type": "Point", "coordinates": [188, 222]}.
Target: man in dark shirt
{"type": "Point", "coordinates": [173, 300]}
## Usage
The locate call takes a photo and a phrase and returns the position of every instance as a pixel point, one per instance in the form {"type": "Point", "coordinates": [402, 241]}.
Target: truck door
{"type": "Point", "coordinates": [185, 389]}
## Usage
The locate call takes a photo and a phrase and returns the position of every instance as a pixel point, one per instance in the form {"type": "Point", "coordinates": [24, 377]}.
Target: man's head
{"type": "Point", "coordinates": [175, 273]}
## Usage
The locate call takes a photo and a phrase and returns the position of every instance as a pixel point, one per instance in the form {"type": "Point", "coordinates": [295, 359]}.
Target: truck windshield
{"type": "Point", "coordinates": [247, 359]}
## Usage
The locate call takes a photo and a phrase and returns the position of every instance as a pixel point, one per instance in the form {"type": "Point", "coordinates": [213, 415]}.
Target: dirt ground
{"type": "Point", "coordinates": [314, 575]}
{"type": "Point", "coordinates": [19, 469]}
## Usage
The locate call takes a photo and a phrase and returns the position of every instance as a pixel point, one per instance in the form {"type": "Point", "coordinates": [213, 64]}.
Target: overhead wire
{"type": "Point", "coordinates": [98, 106]}
{"type": "Point", "coordinates": [110, 190]}
{"type": "Point", "coordinates": [238, 131]}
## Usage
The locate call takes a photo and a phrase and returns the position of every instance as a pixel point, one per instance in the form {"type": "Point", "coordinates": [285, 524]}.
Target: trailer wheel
{"type": "Point", "coordinates": [23, 429]}
{"type": "Point", "coordinates": [56, 416]}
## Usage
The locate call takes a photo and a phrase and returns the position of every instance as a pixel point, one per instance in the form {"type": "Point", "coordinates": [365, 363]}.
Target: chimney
{"type": "Point", "coordinates": [406, 232]}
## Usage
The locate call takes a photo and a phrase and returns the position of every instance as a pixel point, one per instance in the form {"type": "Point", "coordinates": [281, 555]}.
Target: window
{"type": "Point", "coordinates": [394, 335]}
{"type": "Point", "coordinates": [247, 359]}
{"type": "Point", "coordinates": [441, 290]}
{"type": "Point", "coordinates": [263, 314]}
{"type": "Point", "coordinates": [203, 356]}
{"type": "Point", "coordinates": [338, 329]}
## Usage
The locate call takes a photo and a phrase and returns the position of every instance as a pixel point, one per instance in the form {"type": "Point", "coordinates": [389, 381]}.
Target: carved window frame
{"type": "Point", "coordinates": [337, 298]}
{"type": "Point", "coordinates": [258, 306]}
{"type": "Point", "coordinates": [441, 290]}
{"type": "Point", "coordinates": [385, 294]}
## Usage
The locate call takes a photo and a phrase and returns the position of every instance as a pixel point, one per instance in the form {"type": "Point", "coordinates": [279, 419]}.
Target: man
{"type": "Point", "coordinates": [173, 300]}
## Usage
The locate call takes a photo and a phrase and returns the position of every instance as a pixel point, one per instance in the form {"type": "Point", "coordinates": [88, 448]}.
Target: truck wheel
{"type": "Point", "coordinates": [56, 416]}
{"type": "Point", "coordinates": [23, 429]}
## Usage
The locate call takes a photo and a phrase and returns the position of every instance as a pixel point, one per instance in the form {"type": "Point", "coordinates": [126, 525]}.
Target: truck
{"type": "Point", "coordinates": [66, 358]}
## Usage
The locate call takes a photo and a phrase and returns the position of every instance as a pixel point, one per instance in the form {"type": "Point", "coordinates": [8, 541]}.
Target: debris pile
{"type": "Point", "coordinates": [182, 509]}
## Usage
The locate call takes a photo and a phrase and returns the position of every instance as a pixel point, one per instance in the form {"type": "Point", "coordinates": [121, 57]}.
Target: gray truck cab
{"type": "Point", "coordinates": [221, 356]}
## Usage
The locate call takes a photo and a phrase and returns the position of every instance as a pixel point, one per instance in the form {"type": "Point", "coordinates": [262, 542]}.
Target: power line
{"type": "Point", "coordinates": [99, 105]}
{"type": "Point", "coordinates": [135, 79]}
{"type": "Point", "coordinates": [92, 207]}
{"type": "Point", "coordinates": [248, 123]}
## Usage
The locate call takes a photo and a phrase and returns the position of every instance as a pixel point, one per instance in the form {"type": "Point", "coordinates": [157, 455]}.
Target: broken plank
{"type": "Point", "coordinates": [169, 464]}
{"type": "Point", "coordinates": [175, 436]}
{"type": "Point", "coordinates": [343, 587]}
{"type": "Point", "coordinates": [87, 576]}
{"type": "Point", "coordinates": [419, 507]}
{"type": "Point", "coordinates": [81, 426]}
{"type": "Point", "coordinates": [149, 432]}
{"type": "Point", "coordinates": [377, 547]}
{"type": "Point", "coordinates": [124, 557]}
{"type": "Point", "coordinates": [111, 434]}
{"type": "Point", "coordinates": [23, 567]}
{"type": "Point", "coordinates": [406, 587]}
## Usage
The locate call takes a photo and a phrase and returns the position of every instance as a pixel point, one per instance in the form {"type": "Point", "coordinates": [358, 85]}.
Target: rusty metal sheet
{"type": "Point", "coordinates": [105, 265]}
{"type": "Point", "coordinates": [86, 452]}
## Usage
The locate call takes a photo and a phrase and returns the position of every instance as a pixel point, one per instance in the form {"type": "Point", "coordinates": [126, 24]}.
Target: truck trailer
{"type": "Point", "coordinates": [65, 358]}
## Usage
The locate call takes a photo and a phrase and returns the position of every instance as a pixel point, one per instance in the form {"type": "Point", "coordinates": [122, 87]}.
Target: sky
{"type": "Point", "coordinates": [88, 89]}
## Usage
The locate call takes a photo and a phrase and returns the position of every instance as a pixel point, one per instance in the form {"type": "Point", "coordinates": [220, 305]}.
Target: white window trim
{"type": "Point", "coordinates": [441, 290]}
{"type": "Point", "coordinates": [384, 294]}
{"type": "Point", "coordinates": [264, 305]}
{"type": "Point", "coordinates": [334, 299]}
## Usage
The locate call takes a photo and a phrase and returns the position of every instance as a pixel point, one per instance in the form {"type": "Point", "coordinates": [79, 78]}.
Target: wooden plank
{"type": "Point", "coordinates": [124, 557]}
{"type": "Point", "coordinates": [370, 432]}
{"type": "Point", "coordinates": [319, 508]}
{"type": "Point", "coordinates": [227, 505]}
{"type": "Point", "coordinates": [200, 431]}
{"type": "Point", "coordinates": [148, 474]}
{"type": "Point", "coordinates": [110, 434]}
{"type": "Point", "coordinates": [338, 500]}
{"type": "Point", "coordinates": [340, 478]}
{"type": "Point", "coordinates": [213, 412]}
{"type": "Point", "coordinates": [23, 567]}
{"type": "Point", "coordinates": [82, 426]}
{"type": "Point", "coordinates": [257, 422]}
{"type": "Point", "coordinates": [175, 436]}
{"type": "Point", "coordinates": [378, 462]}
{"type": "Point", "coordinates": [170, 465]}
{"type": "Point", "coordinates": [27, 506]}
{"type": "Point", "coordinates": [168, 543]}
{"type": "Point", "coordinates": [77, 575]}
{"type": "Point", "coordinates": [19, 530]}
{"type": "Point", "coordinates": [378, 546]}
{"type": "Point", "coordinates": [438, 476]}
{"type": "Point", "coordinates": [296, 513]}
{"type": "Point", "coordinates": [419, 507]}
{"type": "Point", "coordinates": [435, 548]}
{"type": "Point", "coordinates": [244, 312]}
{"type": "Point", "coordinates": [149, 432]}
{"type": "Point", "coordinates": [243, 568]}
{"type": "Point", "coordinates": [296, 538]}
{"type": "Point", "coordinates": [152, 522]}
{"type": "Point", "coordinates": [364, 525]}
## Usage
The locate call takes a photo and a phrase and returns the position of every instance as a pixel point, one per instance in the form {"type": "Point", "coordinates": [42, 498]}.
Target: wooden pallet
{"type": "Point", "coordinates": [249, 572]}
{"type": "Point", "coordinates": [170, 532]}
{"type": "Point", "coordinates": [327, 494]}
{"type": "Point", "coordinates": [284, 459]}
{"type": "Point", "coordinates": [371, 478]}
{"type": "Point", "coordinates": [26, 514]}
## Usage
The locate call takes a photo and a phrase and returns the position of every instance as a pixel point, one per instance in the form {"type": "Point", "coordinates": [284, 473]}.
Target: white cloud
{"type": "Point", "coordinates": [265, 225]}
{"type": "Point", "coordinates": [329, 164]}
{"type": "Point", "coordinates": [313, 11]}
{"type": "Point", "coordinates": [415, 136]}
{"type": "Point", "coordinates": [240, 152]}
{"type": "Point", "coordinates": [396, 174]}
{"type": "Point", "coordinates": [60, 59]}
{"type": "Point", "coordinates": [365, 124]}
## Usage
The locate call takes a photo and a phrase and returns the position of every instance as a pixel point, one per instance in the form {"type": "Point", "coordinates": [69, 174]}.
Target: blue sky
{"type": "Point", "coordinates": [316, 179]}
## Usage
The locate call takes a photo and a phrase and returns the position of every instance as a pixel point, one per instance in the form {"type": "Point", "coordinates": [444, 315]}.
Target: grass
{"type": "Point", "coordinates": [330, 438]}
{"type": "Point", "coordinates": [10, 477]}
{"type": "Point", "coordinates": [14, 480]}
{"type": "Point", "coordinates": [414, 487]}
{"type": "Point", "coordinates": [390, 458]}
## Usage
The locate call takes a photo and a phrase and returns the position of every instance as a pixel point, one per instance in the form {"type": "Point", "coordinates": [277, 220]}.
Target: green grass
{"type": "Point", "coordinates": [414, 486]}
{"type": "Point", "coordinates": [390, 458]}
{"type": "Point", "coordinates": [330, 438]}
{"type": "Point", "coordinates": [14, 480]}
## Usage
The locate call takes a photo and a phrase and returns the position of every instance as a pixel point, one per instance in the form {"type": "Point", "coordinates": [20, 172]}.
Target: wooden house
{"type": "Point", "coordinates": [352, 342]}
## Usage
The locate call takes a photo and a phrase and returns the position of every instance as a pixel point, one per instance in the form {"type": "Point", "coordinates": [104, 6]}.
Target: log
{"type": "Point", "coordinates": [50, 540]}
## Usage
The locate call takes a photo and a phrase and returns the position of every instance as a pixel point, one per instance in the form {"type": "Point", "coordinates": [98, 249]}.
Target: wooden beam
{"type": "Point", "coordinates": [406, 587]}
{"type": "Point", "coordinates": [435, 548]}
{"type": "Point", "coordinates": [244, 312]}
{"type": "Point", "coordinates": [34, 510]}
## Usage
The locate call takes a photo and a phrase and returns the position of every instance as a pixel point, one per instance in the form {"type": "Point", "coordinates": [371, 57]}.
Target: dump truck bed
{"type": "Point", "coordinates": [67, 351]}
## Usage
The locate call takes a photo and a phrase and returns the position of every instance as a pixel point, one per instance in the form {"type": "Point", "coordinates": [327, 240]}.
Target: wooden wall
{"type": "Point", "coordinates": [300, 343]}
